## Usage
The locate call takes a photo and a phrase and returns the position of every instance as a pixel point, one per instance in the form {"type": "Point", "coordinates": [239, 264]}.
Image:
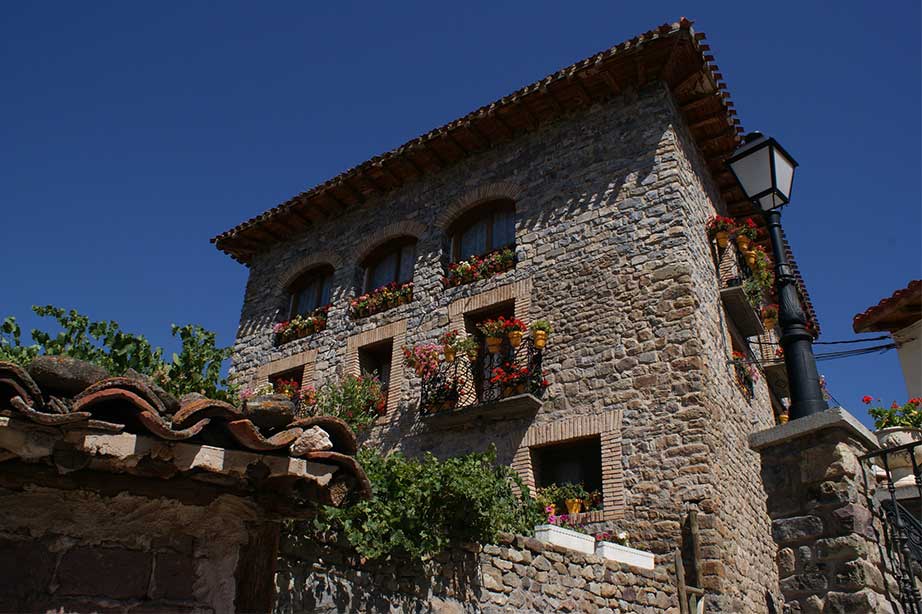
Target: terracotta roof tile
{"type": "Point", "coordinates": [119, 404]}
{"type": "Point", "coordinates": [893, 313]}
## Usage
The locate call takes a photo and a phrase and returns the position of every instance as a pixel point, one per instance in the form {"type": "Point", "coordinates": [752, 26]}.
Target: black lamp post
{"type": "Point", "coordinates": [765, 172]}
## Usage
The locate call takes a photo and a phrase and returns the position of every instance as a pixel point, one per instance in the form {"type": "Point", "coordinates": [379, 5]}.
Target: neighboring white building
{"type": "Point", "coordinates": [900, 315]}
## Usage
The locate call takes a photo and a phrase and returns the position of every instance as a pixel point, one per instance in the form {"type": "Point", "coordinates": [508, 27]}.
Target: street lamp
{"type": "Point", "coordinates": [765, 172]}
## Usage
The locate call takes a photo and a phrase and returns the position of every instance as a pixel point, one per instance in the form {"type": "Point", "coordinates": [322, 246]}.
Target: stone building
{"type": "Point", "coordinates": [600, 179]}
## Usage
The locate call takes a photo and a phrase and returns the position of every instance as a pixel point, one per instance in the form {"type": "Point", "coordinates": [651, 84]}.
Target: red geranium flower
{"type": "Point", "coordinates": [866, 399]}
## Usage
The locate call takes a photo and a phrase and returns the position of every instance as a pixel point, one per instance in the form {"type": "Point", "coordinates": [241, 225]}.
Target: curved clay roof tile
{"type": "Point", "coordinates": [247, 435]}
{"type": "Point", "coordinates": [16, 378]}
{"type": "Point", "coordinates": [139, 408]}
{"type": "Point", "coordinates": [340, 433]}
{"type": "Point", "coordinates": [205, 408]}
{"type": "Point", "coordinates": [137, 387]}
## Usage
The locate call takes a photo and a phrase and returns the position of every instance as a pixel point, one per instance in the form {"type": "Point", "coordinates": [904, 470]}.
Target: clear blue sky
{"type": "Point", "coordinates": [131, 133]}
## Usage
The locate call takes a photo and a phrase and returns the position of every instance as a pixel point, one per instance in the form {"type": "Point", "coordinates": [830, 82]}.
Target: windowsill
{"type": "Point", "coordinates": [353, 316]}
{"type": "Point", "coordinates": [738, 307]}
{"type": "Point", "coordinates": [474, 281]}
{"type": "Point", "coordinates": [509, 408]}
{"type": "Point", "coordinates": [278, 344]}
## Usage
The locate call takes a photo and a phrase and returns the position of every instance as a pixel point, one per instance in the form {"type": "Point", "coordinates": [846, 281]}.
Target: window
{"type": "Point", "coordinates": [392, 262]}
{"type": "Point", "coordinates": [286, 377]}
{"type": "Point", "coordinates": [375, 359]}
{"type": "Point", "coordinates": [310, 291]}
{"type": "Point", "coordinates": [484, 229]}
{"type": "Point", "coordinates": [571, 462]}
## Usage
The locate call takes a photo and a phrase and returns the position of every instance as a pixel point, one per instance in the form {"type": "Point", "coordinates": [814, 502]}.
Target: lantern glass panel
{"type": "Point", "coordinates": [753, 170]}
{"type": "Point", "coordinates": [784, 173]}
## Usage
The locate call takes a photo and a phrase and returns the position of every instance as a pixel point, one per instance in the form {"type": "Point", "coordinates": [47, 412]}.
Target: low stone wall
{"type": "Point", "coordinates": [519, 574]}
{"type": "Point", "coordinates": [831, 547]}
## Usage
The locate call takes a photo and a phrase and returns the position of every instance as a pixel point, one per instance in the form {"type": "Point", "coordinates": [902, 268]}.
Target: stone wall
{"type": "Point", "coordinates": [831, 547]}
{"type": "Point", "coordinates": [611, 204]}
{"type": "Point", "coordinates": [518, 574]}
{"type": "Point", "coordinates": [78, 551]}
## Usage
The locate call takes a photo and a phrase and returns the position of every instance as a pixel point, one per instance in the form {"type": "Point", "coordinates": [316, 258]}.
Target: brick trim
{"type": "Point", "coordinates": [519, 291]}
{"type": "Point", "coordinates": [405, 228]}
{"type": "Point", "coordinates": [608, 427]}
{"type": "Point", "coordinates": [397, 332]}
{"type": "Point", "coordinates": [302, 359]}
{"type": "Point", "coordinates": [309, 261]}
{"type": "Point", "coordinates": [480, 194]}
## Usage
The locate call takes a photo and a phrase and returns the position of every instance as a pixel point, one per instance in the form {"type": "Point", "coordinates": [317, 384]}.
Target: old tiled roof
{"type": "Point", "coordinates": [893, 313]}
{"type": "Point", "coordinates": [672, 53]}
{"type": "Point", "coordinates": [115, 417]}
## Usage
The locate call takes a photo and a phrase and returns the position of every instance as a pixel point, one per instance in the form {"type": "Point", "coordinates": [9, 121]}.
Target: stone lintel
{"type": "Point", "coordinates": [835, 418]}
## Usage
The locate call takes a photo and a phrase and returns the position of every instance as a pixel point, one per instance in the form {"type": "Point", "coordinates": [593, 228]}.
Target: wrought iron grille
{"type": "Point", "coordinates": [466, 382]}
{"type": "Point", "coordinates": [902, 478]}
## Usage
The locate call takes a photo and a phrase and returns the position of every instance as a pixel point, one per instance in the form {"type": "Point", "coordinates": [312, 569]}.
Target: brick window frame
{"type": "Point", "coordinates": [519, 291]}
{"type": "Point", "coordinates": [303, 359]}
{"type": "Point", "coordinates": [397, 333]}
{"type": "Point", "coordinates": [607, 427]}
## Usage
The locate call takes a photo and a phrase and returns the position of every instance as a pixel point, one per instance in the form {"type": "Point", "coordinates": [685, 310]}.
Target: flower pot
{"type": "Point", "coordinates": [449, 353]}
{"type": "Point", "coordinates": [566, 538]}
{"type": "Point", "coordinates": [540, 337]}
{"type": "Point", "coordinates": [508, 391]}
{"type": "Point", "coordinates": [769, 323]}
{"type": "Point", "coordinates": [750, 258]}
{"type": "Point", "coordinates": [783, 419]}
{"type": "Point", "coordinates": [900, 464]}
{"type": "Point", "coordinates": [515, 338]}
{"type": "Point", "coordinates": [723, 238]}
{"type": "Point", "coordinates": [573, 506]}
{"type": "Point", "coordinates": [494, 344]}
{"type": "Point", "coordinates": [520, 388]}
{"type": "Point", "coordinates": [743, 242]}
{"type": "Point", "coordinates": [624, 554]}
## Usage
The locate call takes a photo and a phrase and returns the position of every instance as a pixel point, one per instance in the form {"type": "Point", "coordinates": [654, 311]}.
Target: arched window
{"type": "Point", "coordinates": [392, 262]}
{"type": "Point", "coordinates": [310, 291]}
{"type": "Point", "coordinates": [483, 229]}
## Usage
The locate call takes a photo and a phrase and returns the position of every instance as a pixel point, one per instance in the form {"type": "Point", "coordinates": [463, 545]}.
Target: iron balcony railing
{"type": "Point", "coordinates": [901, 476]}
{"type": "Point", "coordinates": [466, 382]}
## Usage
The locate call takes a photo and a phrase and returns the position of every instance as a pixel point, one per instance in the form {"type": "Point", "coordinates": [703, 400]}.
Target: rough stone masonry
{"type": "Point", "coordinates": [610, 208]}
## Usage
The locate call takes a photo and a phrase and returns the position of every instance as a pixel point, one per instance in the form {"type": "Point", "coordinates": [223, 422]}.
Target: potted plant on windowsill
{"type": "Point", "coordinates": [540, 329]}
{"type": "Point", "coordinates": [746, 233]}
{"type": "Point", "coordinates": [719, 229]}
{"type": "Point", "coordinates": [512, 379]}
{"type": "Point", "coordinates": [769, 316]}
{"type": "Point", "coordinates": [573, 496]}
{"type": "Point", "coordinates": [514, 330]}
{"type": "Point", "coordinates": [494, 331]}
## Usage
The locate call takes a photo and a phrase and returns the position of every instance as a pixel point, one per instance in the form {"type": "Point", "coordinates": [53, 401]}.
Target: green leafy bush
{"type": "Point", "coordinates": [356, 399]}
{"type": "Point", "coordinates": [196, 368]}
{"type": "Point", "coordinates": [420, 506]}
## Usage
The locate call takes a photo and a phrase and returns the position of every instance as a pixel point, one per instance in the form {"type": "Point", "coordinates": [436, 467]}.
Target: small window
{"type": "Point", "coordinates": [391, 263]}
{"type": "Point", "coordinates": [484, 229]}
{"type": "Point", "coordinates": [286, 378]}
{"type": "Point", "coordinates": [310, 291]}
{"type": "Point", "coordinates": [570, 462]}
{"type": "Point", "coordinates": [375, 359]}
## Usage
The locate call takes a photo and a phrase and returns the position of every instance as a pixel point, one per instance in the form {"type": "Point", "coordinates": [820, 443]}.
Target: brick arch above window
{"type": "Point", "coordinates": [502, 190]}
{"type": "Point", "coordinates": [306, 263]}
{"type": "Point", "coordinates": [407, 228]}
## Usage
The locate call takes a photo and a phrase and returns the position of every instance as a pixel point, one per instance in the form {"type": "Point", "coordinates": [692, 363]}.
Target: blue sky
{"type": "Point", "coordinates": [133, 133]}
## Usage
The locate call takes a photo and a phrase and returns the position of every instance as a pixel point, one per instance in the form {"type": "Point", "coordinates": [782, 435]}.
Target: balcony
{"type": "Point", "coordinates": [504, 385]}
{"type": "Point", "coordinates": [740, 290]}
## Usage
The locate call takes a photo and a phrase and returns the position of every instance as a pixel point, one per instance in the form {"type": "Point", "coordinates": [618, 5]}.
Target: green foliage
{"type": "Point", "coordinates": [11, 348]}
{"type": "Point", "coordinates": [197, 368]}
{"type": "Point", "coordinates": [543, 325]}
{"type": "Point", "coordinates": [907, 415]}
{"type": "Point", "coordinates": [357, 399]}
{"type": "Point", "coordinates": [557, 494]}
{"type": "Point", "coordinates": [420, 506]}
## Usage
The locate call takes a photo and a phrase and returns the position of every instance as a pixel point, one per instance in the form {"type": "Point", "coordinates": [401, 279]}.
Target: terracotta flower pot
{"type": "Point", "coordinates": [743, 242]}
{"type": "Point", "coordinates": [751, 258]}
{"type": "Point", "coordinates": [783, 419]}
{"type": "Point", "coordinates": [449, 353]}
{"type": "Point", "coordinates": [573, 506]}
{"type": "Point", "coordinates": [769, 323]}
{"type": "Point", "coordinates": [540, 339]}
{"type": "Point", "coordinates": [515, 338]}
{"type": "Point", "coordinates": [508, 391]}
{"type": "Point", "coordinates": [494, 344]}
{"type": "Point", "coordinates": [723, 238]}
{"type": "Point", "coordinates": [520, 388]}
